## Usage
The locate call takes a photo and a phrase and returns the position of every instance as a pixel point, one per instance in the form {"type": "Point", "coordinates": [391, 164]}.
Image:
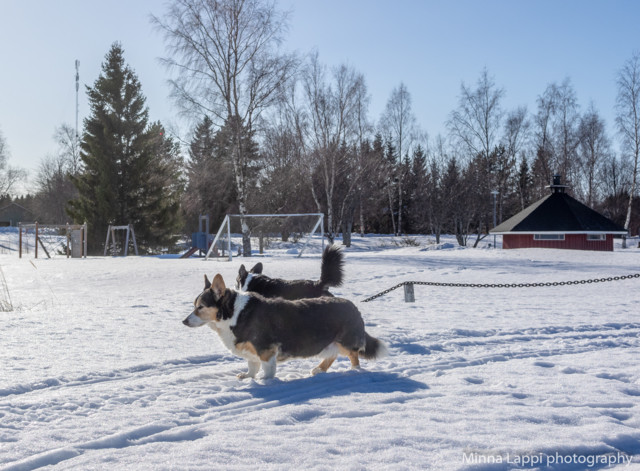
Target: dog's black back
{"type": "Point", "coordinates": [300, 328]}
{"type": "Point", "coordinates": [331, 275]}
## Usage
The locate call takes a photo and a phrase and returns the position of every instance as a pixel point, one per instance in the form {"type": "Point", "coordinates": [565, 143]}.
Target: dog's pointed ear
{"type": "Point", "coordinates": [257, 268]}
{"type": "Point", "coordinates": [243, 271]}
{"type": "Point", "coordinates": [207, 283]}
{"type": "Point", "coordinates": [218, 287]}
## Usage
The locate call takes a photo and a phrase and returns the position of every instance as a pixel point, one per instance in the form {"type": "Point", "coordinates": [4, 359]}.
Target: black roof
{"type": "Point", "coordinates": [558, 212]}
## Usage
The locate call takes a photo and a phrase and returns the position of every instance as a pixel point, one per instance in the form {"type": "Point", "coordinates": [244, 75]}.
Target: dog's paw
{"type": "Point", "coordinates": [243, 375]}
{"type": "Point", "coordinates": [317, 370]}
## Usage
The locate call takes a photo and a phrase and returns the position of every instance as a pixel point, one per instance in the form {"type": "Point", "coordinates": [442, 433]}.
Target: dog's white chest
{"type": "Point", "coordinates": [228, 339]}
{"type": "Point", "coordinates": [226, 334]}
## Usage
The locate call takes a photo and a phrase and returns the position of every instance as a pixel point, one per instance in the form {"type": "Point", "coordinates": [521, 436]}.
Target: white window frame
{"type": "Point", "coordinates": [596, 237]}
{"type": "Point", "coordinates": [548, 237]}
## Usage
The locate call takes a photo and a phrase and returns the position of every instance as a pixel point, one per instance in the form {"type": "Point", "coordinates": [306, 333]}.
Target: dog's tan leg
{"type": "Point", "coordinates": [355, 360]}
{"type": "Point", "coordinates": [352, 355]}
{"type": "Point", "coordinates": [323, 366]}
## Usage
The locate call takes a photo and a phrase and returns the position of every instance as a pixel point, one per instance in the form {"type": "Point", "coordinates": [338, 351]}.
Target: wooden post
{"type": "Point", "coordinates": [43, 247]}
{"type": "Point", "coordinates": [408, 293]}
{"type": "Point", "coordinates": [68, 239]}
{"type": "Point", "coordinates": [229, 238]}
{"type": "Point", "coordinates": [20, 242]}
{"type": "Point", "coordinates": [84, 237]}
{"type": "Point", "coordinates": [36, 242]}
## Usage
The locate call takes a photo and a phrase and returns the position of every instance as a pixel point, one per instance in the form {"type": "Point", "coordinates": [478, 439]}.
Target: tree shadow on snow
{"type": "Point", "coordinates": [332, 384]}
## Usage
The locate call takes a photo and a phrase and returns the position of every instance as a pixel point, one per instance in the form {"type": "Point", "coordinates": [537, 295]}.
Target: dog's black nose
{"type": "Point", "coordinates": [185, 322]}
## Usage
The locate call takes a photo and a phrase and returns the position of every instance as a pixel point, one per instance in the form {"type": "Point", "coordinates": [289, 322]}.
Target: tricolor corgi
{"type": "Point", "coordinates": [331, 272]}
{"type": "Point", "coordinates": [267, 330]}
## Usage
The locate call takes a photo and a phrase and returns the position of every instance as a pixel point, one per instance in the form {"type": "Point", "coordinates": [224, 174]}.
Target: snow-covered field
{"type": "Point", "coordinates": [98, 372]}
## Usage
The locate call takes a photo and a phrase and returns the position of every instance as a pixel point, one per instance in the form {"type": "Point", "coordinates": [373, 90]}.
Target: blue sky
{"type": "Point", "coordinates": [431, 46]}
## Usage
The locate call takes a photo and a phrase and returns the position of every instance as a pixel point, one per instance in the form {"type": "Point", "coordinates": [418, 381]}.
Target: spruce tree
{"type": "Point", "coordinates": [129, 171]}
{"type": "Point", "coordinates": [211, 187]}
{"type": "Point", "coordinates": [416, 191]}
{"type": "Point", "coordinates": [159, 197]}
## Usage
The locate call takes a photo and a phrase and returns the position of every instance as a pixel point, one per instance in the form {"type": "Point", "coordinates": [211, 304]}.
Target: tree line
{"type": "Point", "coordinates": [279, 133]}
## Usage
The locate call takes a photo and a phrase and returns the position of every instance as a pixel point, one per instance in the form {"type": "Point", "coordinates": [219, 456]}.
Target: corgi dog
{"type": "Point", "coordinates": [268, 330]}
{"type": "Point", "coordinates": [331, 272]}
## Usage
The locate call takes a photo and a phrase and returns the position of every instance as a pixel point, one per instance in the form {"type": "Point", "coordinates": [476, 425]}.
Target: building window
{"type": "Point", "coordinates": [548, 236]}
{"type": "Point", "coordinates": [596, 236]}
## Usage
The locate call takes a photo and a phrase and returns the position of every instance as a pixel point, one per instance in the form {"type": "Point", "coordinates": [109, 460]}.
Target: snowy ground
{"type": "Point", "coordinates": [98, 372]}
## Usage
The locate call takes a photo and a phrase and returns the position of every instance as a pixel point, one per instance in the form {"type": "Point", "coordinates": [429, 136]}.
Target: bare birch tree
{"type": "Point", "coordinates": [567, 120]}
{"type": "Point", "coordinates": [628, 120]}
{"type": "Point", "coordinates": [516, 136]}
{"type": "Point", "coordinates": [477, 121]}
{"type": "Point", "coordinates": [9, 175]}
{"type": "Point", "coordinates": [557, 136]}
{"type": "Point", "coordinates": [475, 126]}
{"type": "Point", "coordinates": [225, 57]}
{"type": "Point", "coordinates": [54, 188]}
{"type": "Point", "coordinates": [593, 149]}
{"type": "Point", "coordinates": [328, 123]}
{"type": "Point", "coordinates": [400, 124]}
{"type": "Point", "coordinates": [543, 163]}
{"type": "Point", "coordinates": [68, 147]}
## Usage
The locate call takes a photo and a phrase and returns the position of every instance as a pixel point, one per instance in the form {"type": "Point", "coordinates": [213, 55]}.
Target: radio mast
{"type": "Point", "coordinates": [77, 90]}
{"type": "Point", "coordinates": [76, 138]}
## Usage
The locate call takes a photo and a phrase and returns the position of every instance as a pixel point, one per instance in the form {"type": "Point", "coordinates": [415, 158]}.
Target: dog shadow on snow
{"type": "Point", "coordinates": [332, 384]}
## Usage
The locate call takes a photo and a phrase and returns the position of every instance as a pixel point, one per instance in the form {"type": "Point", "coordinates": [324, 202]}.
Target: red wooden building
{"type": "Point", "coordinates": [558, 221]}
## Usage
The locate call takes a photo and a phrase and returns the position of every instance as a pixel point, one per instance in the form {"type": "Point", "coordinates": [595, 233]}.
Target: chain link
{"type": "Point", "coordinates": [502, 285]}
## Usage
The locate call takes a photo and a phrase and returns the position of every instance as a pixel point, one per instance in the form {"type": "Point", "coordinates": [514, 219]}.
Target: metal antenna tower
{"type": "Point", "coordinates": [77, 90]}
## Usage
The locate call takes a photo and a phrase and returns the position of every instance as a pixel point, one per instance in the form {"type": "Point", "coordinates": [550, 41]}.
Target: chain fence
{"type": "Point", "coordinates": [501, 285]}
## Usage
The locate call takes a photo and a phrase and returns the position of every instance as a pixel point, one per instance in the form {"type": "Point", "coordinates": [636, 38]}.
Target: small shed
{"type": "Point", "coordinates": [13, 213]}
{"type": "Point", "coordinates": [558, 221]}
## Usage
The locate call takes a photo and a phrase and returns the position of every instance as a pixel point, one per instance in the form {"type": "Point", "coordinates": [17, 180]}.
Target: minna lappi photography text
{"type": "Point", "coordinates": [543, 460]}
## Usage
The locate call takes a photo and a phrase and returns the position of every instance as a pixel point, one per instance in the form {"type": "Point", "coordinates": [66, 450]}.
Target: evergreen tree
{"type": "Point", "coordinates": [129, 173]}
{"type": "Point", "coordinates": [416, 188]}
{"type": "Point", "coordinates": [455, 195]}
{"type": "Point", "coordinates": [525, 183]}
{"type": "Point", "coordinates": [211, 188]}
{"type": "Point", "coordinates": [391, 162]}
{"type": "Point", "coordinates": [436, 204]}
{"type": "Point", "coordinates": [159, 199]}
{"type": "Point", "coordinates": [374, 191]}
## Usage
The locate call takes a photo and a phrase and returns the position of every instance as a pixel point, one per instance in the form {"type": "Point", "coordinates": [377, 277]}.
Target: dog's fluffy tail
{"type": "Point", "coordinates": [374, 348]}
{"type": "Point", "coordinates": [332, 266]}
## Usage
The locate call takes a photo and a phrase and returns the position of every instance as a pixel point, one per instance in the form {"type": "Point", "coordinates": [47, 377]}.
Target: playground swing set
{"type": "Point", "coordinates": [129, 236]}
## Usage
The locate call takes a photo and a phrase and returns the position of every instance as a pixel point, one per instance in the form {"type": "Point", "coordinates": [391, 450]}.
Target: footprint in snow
{"type": "Point", "coordinates": [617, 377]}
{"type": "Point", "coordinates": [621, 416]}
{"type": "Point", "coordinates": [544, 364]}
{"type": "Point", "coordinates": [571, 371]}
{"type": "Point", "coordinates": [474, 380]}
